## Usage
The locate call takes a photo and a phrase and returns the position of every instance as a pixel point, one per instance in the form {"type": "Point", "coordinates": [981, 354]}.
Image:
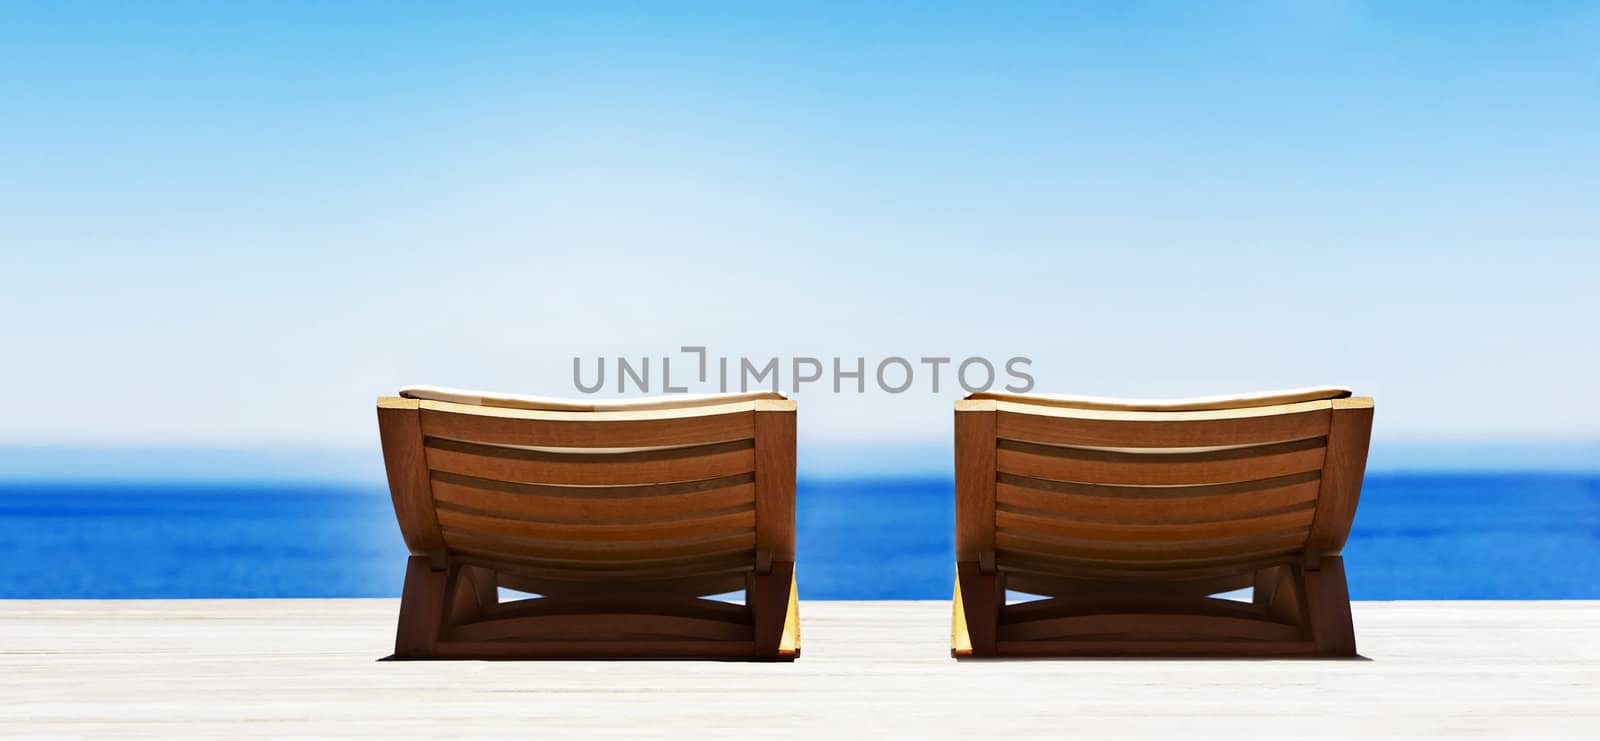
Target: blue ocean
{"type": "Point", "coordinates": [1469, 536]}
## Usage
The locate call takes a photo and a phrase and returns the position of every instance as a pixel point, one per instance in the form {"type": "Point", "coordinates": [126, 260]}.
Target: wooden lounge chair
{"type": "Point", "coordinates": [1127, 517]}
{"type": "Point", "coordinates": [621, 516]}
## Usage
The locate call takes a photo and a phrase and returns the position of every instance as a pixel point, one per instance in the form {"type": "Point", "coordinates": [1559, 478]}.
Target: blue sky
{"type": "Point", "coordinates": [233, 227]}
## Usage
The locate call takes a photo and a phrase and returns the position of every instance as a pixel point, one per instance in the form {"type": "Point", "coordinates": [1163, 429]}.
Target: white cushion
{"type": "Point", "coordinates": [557, 404]}
{"type": "Point", "coordinates": [1196, 404]}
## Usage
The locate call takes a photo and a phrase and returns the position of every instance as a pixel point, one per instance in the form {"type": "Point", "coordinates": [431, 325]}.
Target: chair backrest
{"type": "Point", "coordinates": [1095, 488]}
{"type": "Point", "coordinates": [653, 490]}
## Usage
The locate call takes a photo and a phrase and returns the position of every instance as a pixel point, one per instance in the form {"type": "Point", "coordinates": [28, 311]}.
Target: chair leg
{"type": "Point", "coordinates": [982, 596]}
{"type": "Point", "coordinates": [422, 610]}
{"type": "Point", "coordinates": [769, 597]}
{"type": "Point", "coordinates": [1264, 586]}
{"type": "Point", "coordinates": [1327, 599]}
{"type": "Point", "coordinates": [1284, 598]}
{"type": "Point", "coordinates": [474, 594]}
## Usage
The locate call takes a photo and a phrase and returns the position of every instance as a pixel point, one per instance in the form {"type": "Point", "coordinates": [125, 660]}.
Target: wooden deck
{"type": "Point", "coordinates": [310, 668]}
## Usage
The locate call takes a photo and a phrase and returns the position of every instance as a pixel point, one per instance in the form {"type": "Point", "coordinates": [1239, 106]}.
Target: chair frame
{"type": "Point", "coordinates": [1300, 604]}
{"type": "Point", "coordinates": [450, 608]}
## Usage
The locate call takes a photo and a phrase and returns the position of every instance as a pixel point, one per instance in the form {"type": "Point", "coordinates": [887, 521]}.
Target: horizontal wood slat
{"type": "Point", "coordinates": [619, 535]}
{"type": "Point", "coordinates": [569, 649]}
{"type": "Point", "coordinates": [1150, 627]}
{"type": "Point", "coordinates": [1057, 527]}
{"type": "Point", "coordinates": [731, 579]}
{"type": "Point", "coordinates": [1157, 602]}
{"type": "Point", "coordinates": [1108, 467]}
{"type": "Point", "coordinates": [1174, 569]}
{"type": "Point", "coordinates": [1154, 505]}
{"type": "Point", "coordinates": [1157, 430]}
{"type": "Point", "coordinates": [578, 468]}
{"type": "Point", "coordinates": [1221, 648]}
{"type": "Point", "coordinates": [1152, 552]}
{"type": "Point", "coordinates": [533, 569]}
{"type": "Point", "coordinates": [1090, 589]}
{"type": "Point", "coordinates": [598, 505]}
{"type": "Point", "coordinates": [646, 604]}
{"type": "Point", "coordinates": [599, 553]}
{"type": "Point", "coordinates": [602, 627]}
{"type": "Point", "coordinates": [582, 429]}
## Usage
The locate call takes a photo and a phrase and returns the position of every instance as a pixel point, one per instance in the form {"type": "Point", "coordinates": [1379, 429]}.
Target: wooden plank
{"type": "Point", "coordinates": [1158, 570]}
{"type": "Point", "coordinates": [421, 621]}
{"type": "Point", "coordinates": [1155, 601]}
{"type": "Point", "coordinates": [980, 596]}
{"type": "Point", "coordinates": [656, 466]}
{"type": "Point", "coordinates": [1327, 607]}
{"type": "Point", "coordinates": [597, 506]}
{"type": "Point", "coordinates": [599, 626]}
{"type": "Point", "coordinates": [774, 433]}
{"type": "Point", "coordinates": [1091, 428]}
{"type": "Point", "coordinates": [1158, 469]}
{"type": "Point", "coordinates": [1157, 649]}
{"type": "Point", "coordinates": [1085, 549]}
{"type": "Point", "coordinates": [1060, 527]}
{"type": "Point", "coordinates": [601, 572]}
{"type": "Point", "coordinates": [622, 535]}
{"type": "Point", "coordinates": [653, 604]}
{"type": "Point", "coordinates": [592, 650]}
{"type": "Point", "coordinates": [400, 432]}
{"type": "Point", "coordinates": [495, 426]}
{"type": "Point", "coordinates": [628, 554]}
{"type": "Point", "coordinates": [1089, 589]}
{"type": "Point", "coordinates": [1348, 440]}
{"type": "Point", "coordinates": [975, 483]}
{"type": "Point", "coordinates": [1164, 505]}
{"type": "Point", "coordinates": [730, 578]}
{"type": "Point", "coordinates": [772, 601]}
{"type": "Point", "coordinates": [1149, 627]}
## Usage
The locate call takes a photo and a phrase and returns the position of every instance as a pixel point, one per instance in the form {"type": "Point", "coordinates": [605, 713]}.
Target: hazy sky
{"type": "Point", "coordinates": [237, 227]}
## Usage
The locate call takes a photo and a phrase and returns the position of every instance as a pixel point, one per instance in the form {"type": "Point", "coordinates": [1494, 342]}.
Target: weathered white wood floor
{"type": "Point", "coordinates": [309, 668]}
